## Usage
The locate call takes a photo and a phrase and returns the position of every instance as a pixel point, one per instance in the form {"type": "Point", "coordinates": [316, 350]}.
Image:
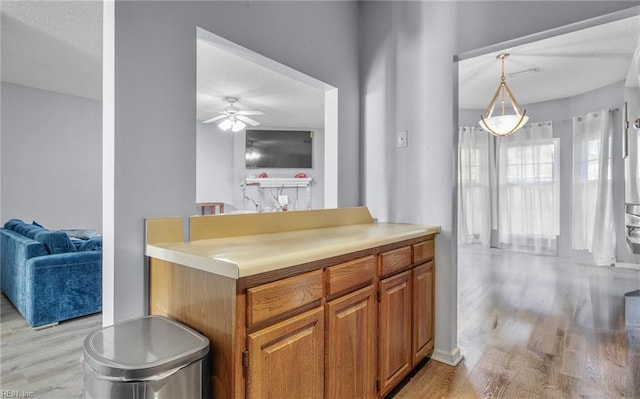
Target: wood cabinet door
{"type": "Point", "coordinates": [351, 346]}
{"type": "Point", "coordinates": [286, 360]}
{"type": "Point", "coordinates": [394, 313]}
{"type": "Point", "coordinates": [423, 311]}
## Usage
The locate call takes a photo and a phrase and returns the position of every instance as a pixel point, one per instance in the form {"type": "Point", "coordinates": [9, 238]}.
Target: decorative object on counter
{"type": "Point", "coordinates": [504, 124]}
{"type": "Point", "coordinates": [214, 207]}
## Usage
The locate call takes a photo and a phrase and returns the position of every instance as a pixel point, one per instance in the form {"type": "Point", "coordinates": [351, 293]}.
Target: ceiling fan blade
{"type": "Point", "coordinates": [248, 120]}
{"type": "Point", "coordinates": [249, 113]}
{"type": "Point", "coordinates": [214, 119]}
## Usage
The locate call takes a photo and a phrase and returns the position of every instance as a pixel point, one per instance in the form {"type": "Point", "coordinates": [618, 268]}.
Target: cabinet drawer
{"type": "Point", "coordinates": [395, 260]}
{"type": "Point", "coordinates": [273, 299]}
{"type": "Point", "coordinates": [423, 251]}
{"type": "Point", "coordinates": [345, 276]}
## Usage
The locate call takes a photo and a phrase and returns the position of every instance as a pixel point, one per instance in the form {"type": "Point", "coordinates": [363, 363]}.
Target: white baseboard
{"type": "Point", "coordinates": [449, 358]}
{"type": "Point", "coordinates": [622, 265]}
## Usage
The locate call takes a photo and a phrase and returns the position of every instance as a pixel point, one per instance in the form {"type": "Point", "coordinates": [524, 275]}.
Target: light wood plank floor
{"type": "Point", "coordinates": [537, 327]}
{"type": "Point", "coordinates": [529, 327]}
{"type": "Point", "coordinates": [44, 363]}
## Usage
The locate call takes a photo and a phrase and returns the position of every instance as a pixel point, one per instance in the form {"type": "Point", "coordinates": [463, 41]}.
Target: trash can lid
{"type": "Point", "coordinates": [144, 347]}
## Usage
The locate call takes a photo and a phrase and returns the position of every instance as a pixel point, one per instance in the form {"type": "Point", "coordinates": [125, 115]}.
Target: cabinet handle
{"type": "Point", "coordinates": [625, 131]}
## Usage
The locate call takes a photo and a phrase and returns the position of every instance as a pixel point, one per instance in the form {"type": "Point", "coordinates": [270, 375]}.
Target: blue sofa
{"type": "Point", "coordinates": [47, 275]}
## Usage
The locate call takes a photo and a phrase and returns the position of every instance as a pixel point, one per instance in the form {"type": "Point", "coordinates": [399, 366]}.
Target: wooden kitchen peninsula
{"type": "Point", "coordinates": [305, 304]}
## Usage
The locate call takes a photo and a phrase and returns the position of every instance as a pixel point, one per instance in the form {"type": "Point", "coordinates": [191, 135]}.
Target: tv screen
{"type": "Point", "coordinates": [278, 149]}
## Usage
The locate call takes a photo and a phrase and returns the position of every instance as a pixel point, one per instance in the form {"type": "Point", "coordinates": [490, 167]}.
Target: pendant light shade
{"type": "Point", "coordinates": [503, 124]}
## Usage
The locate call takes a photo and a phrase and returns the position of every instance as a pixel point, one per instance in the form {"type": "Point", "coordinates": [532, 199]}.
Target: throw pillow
{"type": "Point", "coordinates": [31, 231]}
{"type": "Point", "coordinates": [21, 228]}
{"type": "Point", "coordinates": [56, 242]}
{"type": "Point", "coordinates": [12, 223]}
{"type": "Point", "coordinates": [92, 244]}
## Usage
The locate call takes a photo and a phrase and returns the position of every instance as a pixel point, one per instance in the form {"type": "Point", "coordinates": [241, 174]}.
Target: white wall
{"type": "Point", "coordinates": [51, 158]}
{"type": "Point", "coordinates": [155, 108]}
{"type": "Point", "coordinates": [221, 171]}
{"type": "Point", "coordinates": [215, 164]}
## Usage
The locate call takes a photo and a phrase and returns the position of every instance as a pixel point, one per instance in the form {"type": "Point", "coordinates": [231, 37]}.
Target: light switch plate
{"type": "Point", "coordinates": [401, 138]}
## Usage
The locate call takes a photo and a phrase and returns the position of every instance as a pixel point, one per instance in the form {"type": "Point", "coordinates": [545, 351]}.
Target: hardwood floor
{"type": "Point", "coordinates": [537, 327]}
{"type": "Point", "coordinates": [44, 363]}
{"type": "Point", "coordinates": [528, 326]}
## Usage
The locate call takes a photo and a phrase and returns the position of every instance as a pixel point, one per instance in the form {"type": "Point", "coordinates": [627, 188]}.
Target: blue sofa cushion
{"type": "Point", "coordinates": [24, 228]}
{"type": "Point", "coordinates": [56, 242]}
{"type": "Point", "coordinates": [32, 230]}
{"type": "Point", "coordinates": [12, 223]}
{"type": "Point", "coordinates": [92, 244]}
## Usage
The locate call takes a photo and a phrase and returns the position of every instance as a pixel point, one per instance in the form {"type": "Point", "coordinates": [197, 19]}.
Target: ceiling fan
{"type": "Point", "coordinates": [233, 118]}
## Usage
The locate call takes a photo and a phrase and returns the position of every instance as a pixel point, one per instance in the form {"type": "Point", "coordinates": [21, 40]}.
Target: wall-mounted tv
{"type": "Point", "coordinates": [279, 149]}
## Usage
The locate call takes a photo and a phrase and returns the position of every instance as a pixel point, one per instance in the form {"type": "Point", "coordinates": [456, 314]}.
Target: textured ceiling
{"type": "Point", "coordinates": [53, 45]}
{"type": "Point", "coordinates": [286, 102]}
{"type": "Point", "coordinates": [57, 46]}
{"type": "Point", "coordinates": [569, 65]}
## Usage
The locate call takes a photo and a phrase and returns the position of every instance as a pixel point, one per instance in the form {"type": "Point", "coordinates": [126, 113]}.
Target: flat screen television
{"type": "Point", "coordinates": [279, 149]}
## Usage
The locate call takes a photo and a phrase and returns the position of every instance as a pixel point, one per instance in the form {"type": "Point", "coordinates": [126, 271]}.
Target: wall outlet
{"type": "Point", "coordinates": [401, 138]}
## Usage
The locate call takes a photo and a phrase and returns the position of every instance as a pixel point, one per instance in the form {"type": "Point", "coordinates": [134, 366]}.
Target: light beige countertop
{"type": "Point", "coordinates": [248, 255]}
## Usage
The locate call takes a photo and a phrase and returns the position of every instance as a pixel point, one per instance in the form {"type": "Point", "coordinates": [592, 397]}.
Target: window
{"type": "Point", "coordinates": [530, 163]}
{"type": "Point", "coordinates": [529, 191]}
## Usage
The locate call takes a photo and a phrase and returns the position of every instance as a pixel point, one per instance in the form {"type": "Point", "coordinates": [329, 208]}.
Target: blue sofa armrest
{"type": "Point", "coordinates": [63, 286]}
{"type": "Point", "coordinates": [15, 249]}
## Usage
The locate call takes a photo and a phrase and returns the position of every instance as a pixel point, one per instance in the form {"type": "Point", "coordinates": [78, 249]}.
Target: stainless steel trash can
{"type": "Point", "coordinates": [149, 357]}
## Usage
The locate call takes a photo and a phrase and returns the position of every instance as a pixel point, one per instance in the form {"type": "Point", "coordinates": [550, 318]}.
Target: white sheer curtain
{"type": "Point", "coordinates": [474, 217]}
{"type": "Point", "coordinates": [593, 227]}
{"type": "Point", "coordinates": [529, 190]}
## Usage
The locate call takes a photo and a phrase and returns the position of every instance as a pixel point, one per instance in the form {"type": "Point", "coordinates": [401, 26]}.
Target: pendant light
{"type": "Point", "coordinates": [503, 124]}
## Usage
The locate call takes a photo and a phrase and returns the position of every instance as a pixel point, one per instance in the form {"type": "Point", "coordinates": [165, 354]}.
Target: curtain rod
{"type": "Point", "coordinates": [571, 120]}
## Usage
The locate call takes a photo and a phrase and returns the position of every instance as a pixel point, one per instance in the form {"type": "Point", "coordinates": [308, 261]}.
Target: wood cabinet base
{"type": "Point", "coordinates": [347, 327]}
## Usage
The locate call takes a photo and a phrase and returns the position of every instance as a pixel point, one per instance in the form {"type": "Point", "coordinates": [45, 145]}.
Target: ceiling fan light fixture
{"type": "Point", "coordinates": [225, 124]}
{"type": "Point", "coordinates": [234, 118]}
{"type": "Point", "coordinates": [238, 125]}
{"type": "Point", "coordinates": [504, 124]}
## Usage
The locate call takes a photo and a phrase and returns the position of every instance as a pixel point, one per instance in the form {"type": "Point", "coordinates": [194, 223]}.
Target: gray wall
{"type": "Point", "coordinates": [405, 53]}
{"type": "Point", "coordinates": [51, 158]}
{"type": "Point", "coordinates": [406, 80]}
{"type": "Point", "coordinates": [155, 139]}
{"type": "Point", "coordinates": [484, 23]}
